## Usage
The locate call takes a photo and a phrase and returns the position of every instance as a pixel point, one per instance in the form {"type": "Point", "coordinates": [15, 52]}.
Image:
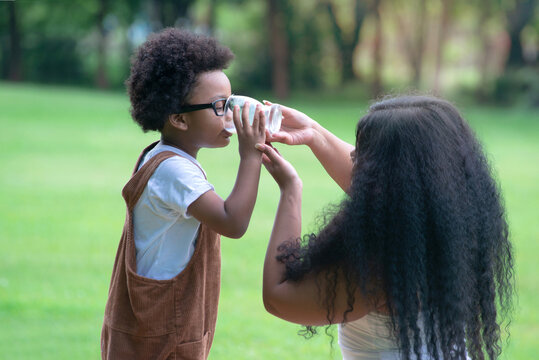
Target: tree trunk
{"type": "Point", "coordinates": [484, 55]}
{"type": "Point", "coordinates": [376, 87]}
{"type": "Point", "coordinates": [517, 20]}
{"type": "Point", "coordinates": [413, 40]}
{"type": "Point", "coordinates": [447, 6]}
{"type": "Point", "coordinates": [347, 45]}
{"type": "Point", "coordinates": [212, 10]}
{"type": "Point", "coordinates": [279, 49]}
{"type": "Point", "coordinates": [15, 66]}
{"type": "Point", "coordinates": [155, 13]}
{"type": "Point", "coordinates": [179, 11]}
{"type": "Point", "coordinates": [101, 74]}
{"type": "Point", "coordinates": [418, 49]}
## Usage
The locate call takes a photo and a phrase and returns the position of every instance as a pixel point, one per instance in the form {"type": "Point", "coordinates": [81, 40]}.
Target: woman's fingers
{"type": "Point", "coordinates": [273, 147]}
{"type": "Point", "coordinates": [281, 136]}
{"type": "Point", "coordinates": [265, 160]}
{"type": "Point", "coordinates": [271, 155]}
{"type": "Point", "coordinates": [281, 170]}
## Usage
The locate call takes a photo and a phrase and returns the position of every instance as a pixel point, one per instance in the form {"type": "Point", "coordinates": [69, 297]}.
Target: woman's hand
{"type": "Point", "coordinates": [296, 128]}
{"type": "Point", "coordinates": [249, 135]}
{"type": "Point", "coordinates": [282, 171]}
{"type": "Point", "coordinates": [332, 152]}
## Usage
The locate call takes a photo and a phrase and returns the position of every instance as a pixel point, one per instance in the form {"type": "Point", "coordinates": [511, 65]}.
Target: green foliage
{"type": "Point", "coordinates": [517, 86]}
{"type": "Point", "coordinates": [62, 65]}
{"type": "Point", "coordinates": [66, 153]}
{"type": "Point", "coordinates": [251, 68]}
{"type": "Point", "coordinates": [60, 43]}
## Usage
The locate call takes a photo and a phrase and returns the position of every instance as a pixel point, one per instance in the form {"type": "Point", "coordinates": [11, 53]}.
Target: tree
{"type": "Point", "coordinates": [445, 19]}
{"type": "Point", "coordinates": [279, 48]}
{"type": "Point", "coordinates": [414, 38]}
{"type": "Point", "coordinates": [14, 62]}
{"type": "Point", "coordinates": [101, 73]}
{"type": "Point", "coordinates": [212, 9]}
{"type": "Point", "coordinates": [517, 19]}
{"type": "Point", "coordinates": [167, 13]}
{"type": "Point", "coordinates": [376, 86]}
{"type": "Point", "coordinates": [486, 10]}
{"type": "Point", "coordinates": [346, 43]}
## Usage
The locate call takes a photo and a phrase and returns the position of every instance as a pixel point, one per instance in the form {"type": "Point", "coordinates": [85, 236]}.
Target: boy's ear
{"type": "Point", "coordinates": [178, 121]}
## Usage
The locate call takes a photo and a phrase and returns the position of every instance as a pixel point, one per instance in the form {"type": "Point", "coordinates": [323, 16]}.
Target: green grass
{"type": "Point", "coordinates": [65, 155]}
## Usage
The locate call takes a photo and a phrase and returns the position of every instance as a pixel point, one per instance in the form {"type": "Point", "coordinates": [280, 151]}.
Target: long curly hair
{"type": "Point", "coordinates": [164, 70]}
{"type": "Point", "coordinates": [423, 224]}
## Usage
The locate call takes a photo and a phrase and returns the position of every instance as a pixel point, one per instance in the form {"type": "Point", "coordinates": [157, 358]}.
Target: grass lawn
{"type": "Point", "coordinates": [65, 156]}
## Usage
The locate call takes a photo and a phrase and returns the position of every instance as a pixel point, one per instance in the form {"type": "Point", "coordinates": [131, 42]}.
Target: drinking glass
{"type": "Point", "coordinates": [272, 112]}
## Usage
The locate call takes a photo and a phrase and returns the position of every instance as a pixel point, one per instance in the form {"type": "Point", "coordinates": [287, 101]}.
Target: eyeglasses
{"type": "Point", "coordinates": [218, 107]}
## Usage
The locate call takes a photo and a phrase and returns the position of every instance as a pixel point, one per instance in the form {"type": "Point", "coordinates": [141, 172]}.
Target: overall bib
{"type": "Point", "coordinates": [161, 319]}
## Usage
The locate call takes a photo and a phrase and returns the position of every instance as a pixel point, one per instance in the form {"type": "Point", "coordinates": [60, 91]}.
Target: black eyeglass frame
{"type": "Point", "coordinates": [190, 108]}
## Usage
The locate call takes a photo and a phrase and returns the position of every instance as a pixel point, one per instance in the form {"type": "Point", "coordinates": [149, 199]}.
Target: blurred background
{"type": "Point", "coordinates": [486, 50]}
{"type": "Point", "coordinates": [68, 144]}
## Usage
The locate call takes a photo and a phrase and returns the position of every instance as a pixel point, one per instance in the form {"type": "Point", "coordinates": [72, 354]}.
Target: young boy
{"type": "Point", "coordinates": [165, 282]}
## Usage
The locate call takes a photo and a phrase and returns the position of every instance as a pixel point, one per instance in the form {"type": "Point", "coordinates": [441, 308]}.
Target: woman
{"type": "Point", "coordinates": [416, 261]}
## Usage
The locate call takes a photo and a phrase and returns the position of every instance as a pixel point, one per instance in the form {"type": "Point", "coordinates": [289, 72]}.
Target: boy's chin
{"type": "Point", "coordinates": [224, 143]}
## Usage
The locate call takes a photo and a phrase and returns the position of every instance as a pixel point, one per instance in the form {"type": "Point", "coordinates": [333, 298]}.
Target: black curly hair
{"type": "Point", "coordinates": [164, 70]}
{"type": "Point", "coordinates": [423, 224]}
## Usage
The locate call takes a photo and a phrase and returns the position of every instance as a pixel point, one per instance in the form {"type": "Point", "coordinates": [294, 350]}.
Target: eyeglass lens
{"type": "Point", "coordinates": [219, 106]}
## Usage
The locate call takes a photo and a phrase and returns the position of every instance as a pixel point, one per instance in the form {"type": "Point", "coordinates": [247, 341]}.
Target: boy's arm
{"type": "Point", "coordinates": [231, 216]}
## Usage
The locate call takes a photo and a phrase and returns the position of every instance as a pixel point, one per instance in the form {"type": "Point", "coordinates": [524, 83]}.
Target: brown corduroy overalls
{"type": "Point", "coordinates": [160, 319]}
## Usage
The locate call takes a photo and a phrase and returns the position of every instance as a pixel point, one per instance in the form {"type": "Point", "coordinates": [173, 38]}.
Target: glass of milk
{"type": "Point", "coordinates": [273, 112]}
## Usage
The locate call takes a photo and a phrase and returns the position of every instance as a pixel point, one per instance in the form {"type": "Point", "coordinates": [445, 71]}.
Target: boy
{"type": "Point", "coordinates": [165, 283]}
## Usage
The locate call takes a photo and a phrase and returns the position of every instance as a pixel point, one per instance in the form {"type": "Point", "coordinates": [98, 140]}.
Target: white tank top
{"type": "Point", "coordinates": [368, 338]}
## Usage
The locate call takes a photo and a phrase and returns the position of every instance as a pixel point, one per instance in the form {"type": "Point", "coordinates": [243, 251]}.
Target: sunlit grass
{"type": "Point", "coordinates": [66, 154]}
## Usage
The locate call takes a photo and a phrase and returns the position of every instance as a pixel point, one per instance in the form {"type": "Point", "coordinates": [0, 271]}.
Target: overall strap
{"type": "Point", "coordinates": [135, 186]}
{"type": "Point", "coordinates": [142, 154]}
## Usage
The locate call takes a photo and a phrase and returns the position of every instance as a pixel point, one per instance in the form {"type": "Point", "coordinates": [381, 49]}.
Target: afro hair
{"type": "Point", "coordinates": [164, 70]}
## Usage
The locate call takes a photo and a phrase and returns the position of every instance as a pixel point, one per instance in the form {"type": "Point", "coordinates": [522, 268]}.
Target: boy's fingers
{"type": "Point", "coordinates": [236, 117]}
{"type": "Point", "coordinates": [245, 114]}
{"type": "Point", "coordinates": [256, 118]}
{"type": "Point", "coordinates": [262, 122]}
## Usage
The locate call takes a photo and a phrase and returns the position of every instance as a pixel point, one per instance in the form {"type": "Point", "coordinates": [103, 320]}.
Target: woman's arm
{"type": "Point", "coordinates": [332, 152]}
{"type": "Point", "coordinates": [299, 302]}
{"type": "Point", "coordinates": [334, 155]}
{"type": "Point", "coordinates": [231, 217]}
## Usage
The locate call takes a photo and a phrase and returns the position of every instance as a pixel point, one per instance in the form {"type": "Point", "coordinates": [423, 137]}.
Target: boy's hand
{"type": "Point", "coordinates": [249, 135]}
{"type": "Point", "coordinates": [282, 171]}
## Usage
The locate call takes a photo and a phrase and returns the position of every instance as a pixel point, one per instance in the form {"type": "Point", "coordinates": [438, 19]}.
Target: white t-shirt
{"type": "Point", "coordinates": [165, 234]}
